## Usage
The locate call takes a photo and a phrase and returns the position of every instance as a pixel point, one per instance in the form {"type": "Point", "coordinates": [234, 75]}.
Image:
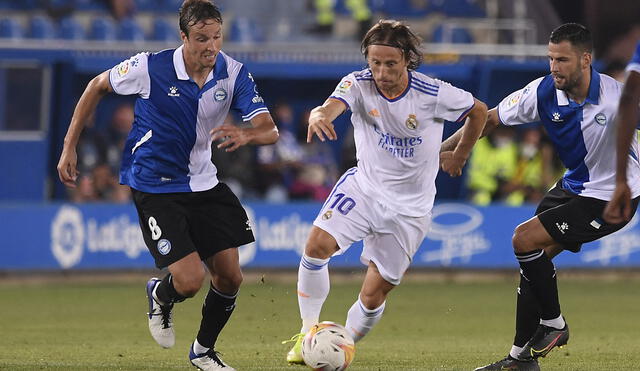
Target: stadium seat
{"type": "Point", "coordinates": [458, 35]}
{"type": "Point", "coordinates": [130, 30]}
{"type": "Point", "coordinates": [70, 29]}
{"type": "Point", "coordinates": [403, 8]}
{"type": "Point", "coordinates": [10, 29]}
{"type": "Point", "coordinates": [164, 31]}
{"type": "Point", "coordinates": [170, 6]}
{"type": "Point", "coordinates": [103, 29]}
{"type": "Point", "coordinates": [41, 27]}
{"type": "Point", "coordinates": [459, 8]}
{"type": "Point", "coordinates": [245, 30]}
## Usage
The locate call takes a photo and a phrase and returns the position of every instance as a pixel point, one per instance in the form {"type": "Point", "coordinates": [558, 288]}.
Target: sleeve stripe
{"type": "Point", "coordinates": [465, 113]}
{"type": "Point", "coordinates": [254, 113]}
{"type": "Point", "coordinates": [342, 100]}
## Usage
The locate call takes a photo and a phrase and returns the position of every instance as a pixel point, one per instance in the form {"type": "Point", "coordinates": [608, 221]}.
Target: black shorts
{"type": "Point", "coordinates": [177, 224]}
{"type": "Point", "coordinates": [573, 220]}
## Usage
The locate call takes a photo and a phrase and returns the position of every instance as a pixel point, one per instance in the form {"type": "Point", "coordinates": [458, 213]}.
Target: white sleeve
{"type": "Point", "coordinates": [347, 91]}
{"type": "Point", "coordinates": [132, 76]}
{"type": "Point", "coordinates": [521, 106]}
{"type": "Point", "coordinates": [452, 104]}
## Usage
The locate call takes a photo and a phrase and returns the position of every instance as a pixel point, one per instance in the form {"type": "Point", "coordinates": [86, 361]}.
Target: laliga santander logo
{"type": "Point", "coordinates": [67, 236]}
{"type": "Point", "coordinates": [462, 240]}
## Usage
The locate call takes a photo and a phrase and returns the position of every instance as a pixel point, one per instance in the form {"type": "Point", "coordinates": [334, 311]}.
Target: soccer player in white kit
{"type": "Point", "coordinates": [619, 208]}
{"type": "Point", "coordinates": [398, 116]}
{"type": "Point", "coordinates": [578, 108]}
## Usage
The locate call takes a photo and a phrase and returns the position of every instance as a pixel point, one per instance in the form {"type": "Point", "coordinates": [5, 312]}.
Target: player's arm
{"type": "Point", "coordinates": [453, 161]}
{"type": "Point", "coordinates": [321, 119]}
{"type": "Point", "coordinates": [262, 131]}
{"type": "Point", "coordinates": [619, 208]}
{"type": "Point", "coordinates": [492, 122]}
{"type": "Point", "coordinates": [98, 87]}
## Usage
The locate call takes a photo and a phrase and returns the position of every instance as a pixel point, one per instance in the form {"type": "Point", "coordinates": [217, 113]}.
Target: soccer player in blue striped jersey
{"type": "Point", "coordinates": [578, 108]}
{"type": "Point", "coordinates": [398, 116]}
{"type": "Point", "coordinates": [186, 215]}
{"type": "Point", "coordinates": [619, 208]}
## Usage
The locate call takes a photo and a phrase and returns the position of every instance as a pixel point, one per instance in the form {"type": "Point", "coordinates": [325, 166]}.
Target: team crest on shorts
{"type": "Point", "coordinates": [327, 215]}
{"type": "Point", "coordinates": [412, 122]}
{"type": "Point", "coordinates": [164, 246]}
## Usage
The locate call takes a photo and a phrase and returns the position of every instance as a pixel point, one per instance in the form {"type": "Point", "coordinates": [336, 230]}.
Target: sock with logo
{"type": "Point", "coordinates": [313, 289]}
{"type": "Point", "coordinates": [538, 269]}
{"type": "Point", "coordinates": [527, 315]}
{"type": "Point", "coordinates": [165, 293]}
{"type": "Point", "coordinates": [216, 310]}
{"type": "Point", "coordinates": [361, 320]}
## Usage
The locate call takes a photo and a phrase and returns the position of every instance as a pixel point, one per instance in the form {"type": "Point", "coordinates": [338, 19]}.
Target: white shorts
{"type": "Point", "coordinates": [390, 240]}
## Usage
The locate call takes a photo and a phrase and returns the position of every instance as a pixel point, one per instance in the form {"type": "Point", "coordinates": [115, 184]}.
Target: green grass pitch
{"type": "Point", "coordinates": [428, 325]}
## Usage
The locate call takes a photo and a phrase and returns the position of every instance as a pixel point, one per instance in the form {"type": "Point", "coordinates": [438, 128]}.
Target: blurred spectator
{"type": "Point", "coordinates": [279, 163]}
{"type": "Point", "coordinates": [319, 172]}
{"type": "Point", "coordinates": [237, 169]}
{"type": "Point", "coordinates": [121, 9]}
{"type": "Point", "coordinates": [492, 163]}
{"type": "Point", "coordinates": [58, 9]}
{"type": "Point", "coordinates": [325, 16]}
{"type": "Point", "coordinates": [615, 69]}
{"type": "Point", "coordinates": [534, 173]}
{"type": "Point", "coordinates": [84, 192]}
{"type": "Point", "coordinates": [116, 134]}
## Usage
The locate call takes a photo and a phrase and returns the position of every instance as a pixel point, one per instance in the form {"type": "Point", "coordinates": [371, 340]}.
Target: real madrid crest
{"type": "Point", "coordinates": [327, 215]}
{"type": "Point", "coordinates": [412, 122]}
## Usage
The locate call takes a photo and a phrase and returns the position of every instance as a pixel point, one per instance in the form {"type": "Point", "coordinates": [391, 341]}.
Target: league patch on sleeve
{"type": "Point", "coordinates": [123, 68]}
{"type": "Point", "coordinates": [344, 86]}
{"type": "Point", "coordinates": [514, 100]}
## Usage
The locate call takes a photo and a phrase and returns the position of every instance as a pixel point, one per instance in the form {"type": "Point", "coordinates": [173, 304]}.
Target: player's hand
{"type": "Point", "coordinates": [618, 210]}
{"type": "Point", "coordinates": [451, 164]}
{"type": "Point", "coordinates": [67, 167]}
{"type": "Point", "coordinates": [232, 137]}
{"type": "Point", "coordinates": [321, 127]}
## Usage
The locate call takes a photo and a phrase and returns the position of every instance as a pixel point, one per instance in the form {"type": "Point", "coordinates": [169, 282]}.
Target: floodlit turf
{"type": "Point", "coordinates": [427, 326]}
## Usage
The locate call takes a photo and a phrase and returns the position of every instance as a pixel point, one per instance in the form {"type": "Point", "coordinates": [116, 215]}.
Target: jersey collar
{"type": "Point", "coordinates": [593, 96]}
{"type": "Point", "coordinates": [219, 71]}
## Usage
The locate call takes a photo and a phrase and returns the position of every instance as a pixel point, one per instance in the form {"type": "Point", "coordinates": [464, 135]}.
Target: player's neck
{"type": "Point", "coordinates": [197, 72]}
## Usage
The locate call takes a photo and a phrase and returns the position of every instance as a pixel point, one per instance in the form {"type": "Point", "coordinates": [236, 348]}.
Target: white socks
{"type": "Point", "coordinates": [515, 351]}
{"type": "Point", "coordinates": [199, 349]}
{"type": "Point", "coordinates": [557, 323]}
{"type": "Point", "coordinates": [313, 288]}
{"type": "Point", "coordinates": [361, 320]}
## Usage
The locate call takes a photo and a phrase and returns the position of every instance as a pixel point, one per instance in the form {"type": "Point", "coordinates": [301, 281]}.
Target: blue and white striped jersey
{"type": "Point", "coordinates": [169, 146]}
{"type": "Point", "coordinates": [634, 64]}
{"type": "Point", "coordinates": [583, 135]}
{"type": "Point", "coordinates": [398, 140]}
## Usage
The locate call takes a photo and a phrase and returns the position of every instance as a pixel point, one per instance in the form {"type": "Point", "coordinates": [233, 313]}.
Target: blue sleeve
{"type": "Point", "coordinates": [636, 56]}
{"type": "Point", "coordinates": [246, 99]}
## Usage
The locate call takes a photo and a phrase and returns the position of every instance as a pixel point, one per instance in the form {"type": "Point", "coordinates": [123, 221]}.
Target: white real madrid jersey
{"type": "Point", "coordinates": [583, 135]}
{"type": "Point", "coordinates": [398, 140]}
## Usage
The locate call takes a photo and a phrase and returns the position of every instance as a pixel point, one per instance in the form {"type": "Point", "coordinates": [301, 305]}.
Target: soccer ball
{"type": "Point", "coordinates": [328, 346]}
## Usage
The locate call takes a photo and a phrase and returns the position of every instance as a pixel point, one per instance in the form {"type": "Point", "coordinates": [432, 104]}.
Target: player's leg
{"type": "Point", "coordinates": [219, 224]}
{"type": "Point", "coordinates": [217, 308]}
{"type": "Point", "coordinates": [312, 286]}
{"type": "Point", "coordinates": [368, 309]}
{"type": "Point", "coordinates": [165, 231]}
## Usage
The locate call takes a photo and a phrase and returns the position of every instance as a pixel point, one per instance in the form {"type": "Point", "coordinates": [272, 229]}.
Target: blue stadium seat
{"type": "Point", "coordinates": [41, 27]}
{"type": "Point", "coordinates": [458, 35]}
{"type": "Point", "coordinates": [404, 8]}
{"type": "Point", "coordinates": [130, 30]}
{"type": "Point", "coordinates": [91, 5]}
{"type": "Point", "coordinates": [103, 29]}
{"type": "Point", "coordinates": [164, 31]}
{"type": "Point", "coordinates": [245, 30]}
{"type": "Point", "coordinates": [459, 8]}
{"type": "Point", "coordinates": [171, 6]}
{"type": "Point", "coordinates": [19, 5]}
{"type": "Point", "coordinates": [10, 29]}
{"type": "Point", "coordinates": [70, 29]}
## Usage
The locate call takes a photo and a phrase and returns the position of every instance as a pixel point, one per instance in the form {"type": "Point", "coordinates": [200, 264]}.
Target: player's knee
{"type": "Point", "coordinates": [520, 240]}
{"type": "Point", "coordinates": [229, 283]}
{"type": "Point", "coordinates": [318, 250]}
{"type": "Point", "coordinates": [372, 300]}
{"type": "Point", "coordinates": [188, 285]}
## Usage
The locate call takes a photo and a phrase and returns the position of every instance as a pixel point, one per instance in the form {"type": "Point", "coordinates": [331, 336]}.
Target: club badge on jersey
{"type": "Point", "coordinates": [412, 122]}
